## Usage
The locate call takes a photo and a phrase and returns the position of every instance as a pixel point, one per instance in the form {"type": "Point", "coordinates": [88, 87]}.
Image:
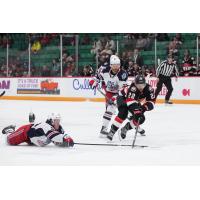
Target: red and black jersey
{"type": "Point", "coordinates": [145, 98]}
{"type": "Point", "coordinates": [188, 65]}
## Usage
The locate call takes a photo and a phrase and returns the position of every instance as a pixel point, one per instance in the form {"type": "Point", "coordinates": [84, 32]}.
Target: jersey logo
{"type": "Point", "coordinates": [112, 86]}
{"type": "Point", "coordinates": [133, 89]}
{"type": "Point", "coordinates": [124, 76]}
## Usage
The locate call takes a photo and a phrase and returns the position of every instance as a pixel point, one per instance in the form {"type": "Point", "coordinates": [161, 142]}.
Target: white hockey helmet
{"type": "Point", "coordinates": [54, 116]}
{"type": "Point", "coordinates": [114, 60]}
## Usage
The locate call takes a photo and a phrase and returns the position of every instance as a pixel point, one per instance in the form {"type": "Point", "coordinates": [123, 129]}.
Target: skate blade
{"type": "Point", "coordinates": [120, 138]}
{"type": "Point", "coordinates": [102, 136]}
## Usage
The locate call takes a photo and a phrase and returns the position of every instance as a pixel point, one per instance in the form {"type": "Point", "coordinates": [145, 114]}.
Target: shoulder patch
{"type": "Point", "coordinates": [124, 76]}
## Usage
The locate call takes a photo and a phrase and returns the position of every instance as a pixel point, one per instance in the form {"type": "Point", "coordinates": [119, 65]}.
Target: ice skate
{"type": "Point", "coordinates": [141, 131]}
{"type": "Point", "coordinates": [103, 132]}
{"type": "Point", "coordinates": [168, 102]}
{"type": "Point", "coordinates": [110, 135]}
{"type": "Point", "coordinates": [8, 129]}
{"type": "Point", "coordinates": [122, 132]}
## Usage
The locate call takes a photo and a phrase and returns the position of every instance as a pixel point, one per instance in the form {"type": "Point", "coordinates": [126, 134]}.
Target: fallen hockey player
{"type": "Point", "coordinates": [39, 134]}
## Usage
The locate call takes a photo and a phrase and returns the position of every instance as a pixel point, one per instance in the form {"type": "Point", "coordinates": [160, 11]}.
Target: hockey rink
{"type": "Point", "coordinates": [172, 136]}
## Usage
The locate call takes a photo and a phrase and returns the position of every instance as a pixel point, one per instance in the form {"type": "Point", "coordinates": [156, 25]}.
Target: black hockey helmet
{"type": "Point", "coordinates": [140, 79]}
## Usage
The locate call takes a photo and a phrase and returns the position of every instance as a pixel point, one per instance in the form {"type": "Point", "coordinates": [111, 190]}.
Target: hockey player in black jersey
{"type": "Point", "coordinates": [136, 99]}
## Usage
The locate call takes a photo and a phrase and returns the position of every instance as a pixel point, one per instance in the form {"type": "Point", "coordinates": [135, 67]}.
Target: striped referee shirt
{"type": "Point", "coordinates": [166, 69]}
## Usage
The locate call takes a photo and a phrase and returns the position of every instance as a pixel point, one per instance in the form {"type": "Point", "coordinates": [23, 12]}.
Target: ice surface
{"type": "Point", "coordinates": [173, 136]}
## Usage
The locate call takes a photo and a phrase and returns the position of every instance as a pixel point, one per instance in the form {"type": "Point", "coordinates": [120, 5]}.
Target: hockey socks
{"type": "Point", "coordinates": [106, 119]}
{"type": "Point", "coordinates": [115, 126]}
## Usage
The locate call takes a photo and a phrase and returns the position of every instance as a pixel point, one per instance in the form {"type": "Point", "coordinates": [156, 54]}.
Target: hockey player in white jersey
{"type": "Point", "coordinates": [113, 79]}
{"type": "Point", "coordinates": [39, 134]}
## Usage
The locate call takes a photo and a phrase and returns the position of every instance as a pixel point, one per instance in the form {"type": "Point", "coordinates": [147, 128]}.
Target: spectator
{"type": "Point", "coordinates": [150, 41]}
{"type": "Point", "coordinates": [45, 71]}
{"type": "Point", "coordinates": [161, 37]}
{"type": "Point", "coordinates": [137, 58]}
{"type": "Point", "coordinates": [3, 71]}
{"type": "Point", "coordinates": [129, 41]}
{"type": "Point", "coordinates": [148, 72]}
{"type": "Point", "coordinates": [45, 40]}
{"type": "Point", "coordinates": [6, 40]}
{"type": "Point", "coordinates": [188, 64]}
{"type": "Point", "coordinates": [110, 45]}
{"type": "Point", "coordinates": [124, 60]}
{"type": "Point", "coordinates": [87, 71]}
{"type": "Point", "coordinates": [1, 40]}
{"type": "Point", "coordinates": [141, 43]}
{"type": "Point", "coordinates": [33, 37]}
{"type": "Point", "coordinates": [133, 69]}
{"type": "Point", "coordinates": [33, 71]}
{"type": "Point", "coordinates": [55, 68]}
{"type": "Point", "coordinates": [86, 39]}
{"type": "Point", "coordinates": [179, 39]}
{"type": "Point", "coordinates": [97, 47]}
{"type": "Point", "coordinates": [104, 59]}
{"type": "Point", "coordinates": [67, 58]}
{"type": "Point", "coordinates": [107, 51]}
{"type": "Point", "coordinates": [36, 46]}
{"type": "Point", "coordinates": [173, 49]}
{"type": "Point", "coordinates": [68, 70]}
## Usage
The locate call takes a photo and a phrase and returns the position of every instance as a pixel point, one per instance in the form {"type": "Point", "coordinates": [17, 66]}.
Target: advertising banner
{"type": "Point", "coordinates": [186, 88]}
{"type": "Point", "coordinates": [38, 86]}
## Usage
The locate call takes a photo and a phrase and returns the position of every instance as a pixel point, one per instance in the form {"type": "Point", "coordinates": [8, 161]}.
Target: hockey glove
{"type": "Point", "coordinates": [138, 116]}
{"type": "Point", "coordinates": [31, 117]}
{"type": "Point", "coordinates": [112, 101]}
{"type": "Point", "coordinates": [67, 141]}
{"type": "Point", "coordinates": [147, 106]}
{"type": "Point", "coordinates": [93, 84]}
{"type": "Point", "coordinates": [120, 101]}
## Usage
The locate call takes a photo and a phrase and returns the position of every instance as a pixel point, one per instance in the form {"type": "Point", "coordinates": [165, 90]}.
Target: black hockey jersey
{"type": "Point", "coordinates": [133, 94]}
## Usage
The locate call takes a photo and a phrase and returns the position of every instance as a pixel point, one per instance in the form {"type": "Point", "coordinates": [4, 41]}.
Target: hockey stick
{"type": "Point", "coordinates": [108, 99]}
{"type": "Point", "coordinates": [135, 136]}
{"type": "Point", "coordinates": [102, 93]}
{"type": "Point", "coordinates": [2, 93]}
{"type": "Point", "coordinates": [100, 144]}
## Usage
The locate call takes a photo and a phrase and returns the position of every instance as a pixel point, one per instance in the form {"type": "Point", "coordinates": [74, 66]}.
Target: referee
{"type": "Point", "coordinates": [164, 73]}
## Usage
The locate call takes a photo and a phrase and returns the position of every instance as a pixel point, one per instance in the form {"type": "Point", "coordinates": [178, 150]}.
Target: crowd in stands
{"type": "Point", "coordinates": [141, 41]}
{"type": "Point", "coordinates": [5, 39]}
{"type": "Point", "coordinates": [102, 48]}
{"type": "Point", "coordinates": [40, 40]}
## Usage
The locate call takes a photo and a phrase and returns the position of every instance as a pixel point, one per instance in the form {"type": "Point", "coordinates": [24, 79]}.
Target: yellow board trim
{"type": "Point", "coordinates": [78, 99]}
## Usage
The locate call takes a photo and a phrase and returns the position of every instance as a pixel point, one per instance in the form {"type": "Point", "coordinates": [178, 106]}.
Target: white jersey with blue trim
{"type": "Point", "coordinates": [113, 82]}
{"type": "Point", "coordinates": [43, 133]}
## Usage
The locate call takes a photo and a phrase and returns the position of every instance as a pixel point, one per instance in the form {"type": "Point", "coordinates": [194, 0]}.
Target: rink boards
{"type": "Point", "coordinates": [186, 89]}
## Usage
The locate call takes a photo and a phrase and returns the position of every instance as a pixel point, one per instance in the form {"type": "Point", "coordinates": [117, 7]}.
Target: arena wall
{"type": "Point", "coordinates": [186, 89]}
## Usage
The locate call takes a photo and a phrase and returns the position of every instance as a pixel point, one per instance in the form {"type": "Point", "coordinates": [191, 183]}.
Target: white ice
{"type": "Point", "coordinates": [172, 134]}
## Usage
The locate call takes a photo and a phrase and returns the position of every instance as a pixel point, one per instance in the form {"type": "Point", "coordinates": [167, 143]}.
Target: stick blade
{"type": "Point", "coordinates": [2, 93]}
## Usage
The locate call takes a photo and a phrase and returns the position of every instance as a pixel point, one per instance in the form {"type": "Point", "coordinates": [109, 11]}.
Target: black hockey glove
{"type": "Point", "coordinates": [31, 117]}
{"type": "Point", "coordinates": [121, 101]}
{"type": "Point", "coordinates": [137, 113]}
{"type": "Point", "coordinates": [139, 117]}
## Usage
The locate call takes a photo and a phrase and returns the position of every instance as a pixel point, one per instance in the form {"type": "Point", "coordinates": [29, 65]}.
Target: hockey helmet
{"type": "Point", "coordinates": [54, 118]}
{"type": "Point", "coordinates": [114, 60]}
{"type": "Point", "coordinates": [115, 64]}
{"type": "Point", "coordinates": [140, 82]}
